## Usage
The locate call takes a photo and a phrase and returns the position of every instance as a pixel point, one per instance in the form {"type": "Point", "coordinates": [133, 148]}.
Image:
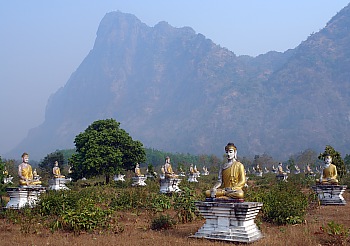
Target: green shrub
{"type": "Point", "coordinates": [162, 222]}
{"type": "Point", "coordinates": [185, 206]}
{"type": "Point", "coordinates": [283, 203]}
{"type": "Point", "coordinates": [338, 232]}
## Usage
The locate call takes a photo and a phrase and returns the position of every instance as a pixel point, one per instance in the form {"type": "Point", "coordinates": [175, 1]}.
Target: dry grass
{"type": "Point", "coordinates": [137, 232]}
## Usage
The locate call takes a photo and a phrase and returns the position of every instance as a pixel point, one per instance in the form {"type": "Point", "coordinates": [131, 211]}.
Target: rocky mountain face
{"type": "Point", "coordinates": [177, 91]}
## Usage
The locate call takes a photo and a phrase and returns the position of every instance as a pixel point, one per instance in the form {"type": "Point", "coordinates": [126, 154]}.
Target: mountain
{"type": "Point", "coordinates": [177, 91]}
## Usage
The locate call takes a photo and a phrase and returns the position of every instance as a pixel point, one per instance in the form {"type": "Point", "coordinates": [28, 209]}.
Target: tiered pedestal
{"type": "Point", "coordinates": [119, 177]}
{"type": "Point", "coordinates": [139, 181]}
{"type": "Point", "coordinates": [229, 221]}
{"type": "Point", "coordinates": [259, 174]}
{"type": "Point", "coordinates": [169, 185]}
{"type": "Point", "coordinates": [58, 184]}
{"type": "Point", "coordinates": [8, 180]}
{"type": "Point", "coordinates": [282, 177]}
{"type": "Point", "coordinates": [24, 195]}
{"type": "Point", "coordinates": [192, 178]}
{"type": "Point", "coordinates": [330, 194]}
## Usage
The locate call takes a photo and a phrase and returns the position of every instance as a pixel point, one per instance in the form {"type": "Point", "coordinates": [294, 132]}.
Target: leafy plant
{"type": "Point", "coordinates": [162, 222]}
{"type": "Point", "coordinates": [184, 205]}
{"type": "Point", "coordinates": [338, 231]}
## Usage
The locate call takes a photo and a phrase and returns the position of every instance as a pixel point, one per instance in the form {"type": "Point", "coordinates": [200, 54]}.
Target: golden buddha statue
{"type": "Point", "coordinates": [329, 173]}
{"type": "Point", "coordinates": [56, 171]}
{"type": "Point", "coordinates": [25, 172]}
{"type": "Point", "coordinates": [138, 171]}
{"type": "Point", "coordinates": [168, 170]}
{"type": "Point", "coordinates": [280, 169]}
{"type": "Point", "coordinates": [191, 169]}
{"type": "Point", "coordinates": [231, 177]}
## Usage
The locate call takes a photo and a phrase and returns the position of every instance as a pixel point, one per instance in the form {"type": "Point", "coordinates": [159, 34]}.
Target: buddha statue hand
{"type": "Point", "coordinates": [213, 192]}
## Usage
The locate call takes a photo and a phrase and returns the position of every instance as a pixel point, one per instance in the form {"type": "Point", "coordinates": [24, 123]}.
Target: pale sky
{"type": "Point", "coordinates": [43, 42]}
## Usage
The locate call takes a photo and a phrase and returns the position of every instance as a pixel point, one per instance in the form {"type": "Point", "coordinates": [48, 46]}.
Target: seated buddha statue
{"type": "Point", "coordinates": [56, 171]}
{"type": "Point", "coordinates": [280, 169]}
{"type": "Point", "coordinates": [191, 169]}
{"type": "Point", "coordinates": [231, 177]}
{"type": "Point", "coordinates": [169, 173]}
{"type": "Point", "coordinates": [329, 173]}
{"type": "Point", "coordinates": [138, 171]}
{"type": "Point", "coordinates": [25, 172]}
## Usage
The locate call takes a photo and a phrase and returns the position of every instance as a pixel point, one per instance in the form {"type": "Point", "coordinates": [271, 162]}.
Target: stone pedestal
{"type": "Point", "coordinates": [282, 177]}
{"type": "Point", "coordinates": [330, 194]}
{"type": "Point", "coordinates": [229, 221]}
{"type": "Point", "coordinates": [24, 195]}
{"type": "Point", "coordinates": [8, 180]}
{"type": "Point", "coordinates": [119, 177]}
{"type": "Point", "coordinates": [169, 185]}
{"type": "Point", "coordinates": [259, 174]}
{"type": "Point", "coordinates": [139, 181]}
{"type": "Point", "coordinates": [192, 178]}
{"type": "Point", "coordinates": [58, 184]}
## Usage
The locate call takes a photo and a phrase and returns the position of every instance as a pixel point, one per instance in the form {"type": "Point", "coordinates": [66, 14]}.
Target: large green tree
{"type": "Point", "coordinates": [105, 149]}
{"type": "Point", "coordinates": [336, 159]}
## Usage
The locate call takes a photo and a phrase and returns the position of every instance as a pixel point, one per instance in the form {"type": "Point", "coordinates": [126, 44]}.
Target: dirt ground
{"type": "Point", "coordinates": [137, 232]}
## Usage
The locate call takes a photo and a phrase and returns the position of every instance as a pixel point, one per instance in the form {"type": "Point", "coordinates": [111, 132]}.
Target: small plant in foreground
{"type": "Point", "coordinates": [339, 232]}
{"type": "Point", "coordinates": [162, 222]}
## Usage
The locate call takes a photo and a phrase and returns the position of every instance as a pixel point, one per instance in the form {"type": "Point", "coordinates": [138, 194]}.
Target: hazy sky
{"type": "Point", "coordinates": [43, 42]}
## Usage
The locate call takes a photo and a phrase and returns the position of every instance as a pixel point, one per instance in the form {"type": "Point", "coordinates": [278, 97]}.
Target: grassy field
{"type": "Point", "coordinates": [134, 229]}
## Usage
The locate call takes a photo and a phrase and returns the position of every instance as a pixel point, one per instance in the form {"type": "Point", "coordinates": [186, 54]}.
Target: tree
{"type": "Point", "coordinates": [105, 149]}
{"type": "Point", "coordinates": [48, 163]}
{"type": "Point", "coordinates": [347, 161]}
{"type": "Point", "coordinates": [336, 159]}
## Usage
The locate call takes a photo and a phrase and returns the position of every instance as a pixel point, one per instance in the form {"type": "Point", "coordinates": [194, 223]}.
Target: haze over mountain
{"type": "Point", "coordinates": [176, 90]}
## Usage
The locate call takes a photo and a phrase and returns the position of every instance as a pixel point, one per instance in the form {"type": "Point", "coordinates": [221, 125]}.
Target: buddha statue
{"type": "Point", "coordinates": [138, 171]}
{"type": "Point", "coordinates": [280, 169]}
{"type": "Point", "coordinates": [168, 170]}
{"type": "Point", "coordinates": [25, 172]}
{"type": "Point", "coordinates": [191, 169]}
{"type": "Point", "coordinates": [56, 171]}
{"type": "Point", "coordinates": [329, 173]}
{"type": "Point", "coordinates": [231, 177]}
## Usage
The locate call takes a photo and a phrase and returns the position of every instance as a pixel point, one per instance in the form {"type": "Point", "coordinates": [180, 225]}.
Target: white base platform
{"type": "Point", "coordinates": [330, 194]}
{"type": "Point", "coordinates": [24, 195]}
{"type": "Point", "coordinates": [169, 185]}
{"type": "Point", "coordinates": [58, 184]}
{"type": "Point", "coordinates": [139, 181]}
{"type": "Point", "coordinates": [228, 221]}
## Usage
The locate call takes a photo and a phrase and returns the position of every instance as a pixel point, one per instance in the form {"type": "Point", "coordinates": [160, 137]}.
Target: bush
{"type": "Point", "coordinates": [284, 203]}
{"type": "Point", "coordinates": [184, 205]}
{"type": "Point", "coordinates": [162, 222]}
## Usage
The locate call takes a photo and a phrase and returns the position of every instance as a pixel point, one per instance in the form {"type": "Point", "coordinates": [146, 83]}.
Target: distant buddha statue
{"type": "Point", "coordinates": [308, 170]}
{"type": "Point", "coordinates": [25, 172]}
{"type": "Point", "coordinates": [329, 173]}
{"type": "Point", "coordinates": [56, 171]}
{"type": "Point", "coordinates": [138, 171]}
{"type": "Point", "coordinates": [280, 169]}
{"type": "Point", "coordinates": [231, 177]}
{"type": "Point", "coordinates": [191, 169]}
{"type": "Point", "coordinates": [168, 170]}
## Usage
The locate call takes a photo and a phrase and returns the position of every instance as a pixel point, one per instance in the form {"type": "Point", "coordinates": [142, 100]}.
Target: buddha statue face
{"type": "Point", "coordinates": [328, 160]}
{"type": "Point", "coordinates": [230, 153]}
{"type": "Point", "coordinates": [25, 158]}
{"type": "Point", "coordinates": [56, 163]}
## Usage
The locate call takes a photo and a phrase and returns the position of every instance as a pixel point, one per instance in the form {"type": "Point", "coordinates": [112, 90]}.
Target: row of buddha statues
{"type": "Point", "coordinates": [28, 176]}
{"type": "Point", "coordinates": [279, 169]}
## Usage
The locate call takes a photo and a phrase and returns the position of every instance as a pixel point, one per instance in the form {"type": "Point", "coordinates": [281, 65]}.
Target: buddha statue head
{"type": "Point", "coordinates": [231, 151]}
